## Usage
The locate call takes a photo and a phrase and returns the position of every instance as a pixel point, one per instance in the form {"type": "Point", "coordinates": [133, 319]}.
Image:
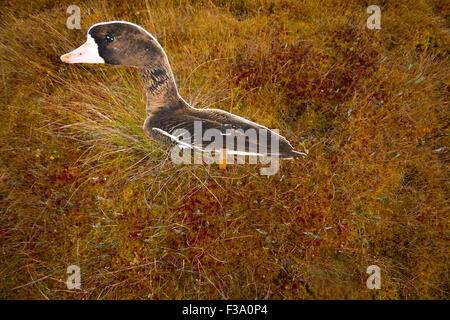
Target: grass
{"type": "Point", "coordinates": [81, 184]}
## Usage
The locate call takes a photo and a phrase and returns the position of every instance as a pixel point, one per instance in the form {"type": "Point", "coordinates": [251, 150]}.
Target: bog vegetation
{"type": "Point", "coordinates": [82, 185]}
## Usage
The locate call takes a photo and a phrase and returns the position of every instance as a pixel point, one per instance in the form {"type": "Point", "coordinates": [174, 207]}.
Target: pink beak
{"type": "Point", "coordinates": [87, 53]}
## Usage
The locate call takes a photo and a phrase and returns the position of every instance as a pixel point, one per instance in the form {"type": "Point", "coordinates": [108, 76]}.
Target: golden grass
{"type": "Point", "coordinates": [81, 184]}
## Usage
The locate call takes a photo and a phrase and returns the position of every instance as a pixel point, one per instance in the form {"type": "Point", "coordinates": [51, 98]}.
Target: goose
{"type": "Point", "coordinates": [169, 117]}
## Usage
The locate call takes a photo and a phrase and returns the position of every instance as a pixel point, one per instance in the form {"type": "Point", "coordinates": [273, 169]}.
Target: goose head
{"type": "Point", "coordinates": [127, 44]}
{"type": "Point", "coordinates": [118, 43]}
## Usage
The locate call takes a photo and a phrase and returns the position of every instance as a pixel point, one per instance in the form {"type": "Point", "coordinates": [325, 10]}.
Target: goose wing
{"type": "Point", "coordinates": [256, 136]}
{"type": "Point", "coordinates": [247, 137]}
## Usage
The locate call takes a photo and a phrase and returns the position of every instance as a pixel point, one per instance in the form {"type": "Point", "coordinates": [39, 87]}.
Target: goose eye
{"type": "Point", "coordinates": [109, 38]}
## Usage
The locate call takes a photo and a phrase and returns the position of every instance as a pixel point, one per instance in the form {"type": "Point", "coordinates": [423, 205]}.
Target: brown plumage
{"type": "Point", "coordinates": [124, 43]}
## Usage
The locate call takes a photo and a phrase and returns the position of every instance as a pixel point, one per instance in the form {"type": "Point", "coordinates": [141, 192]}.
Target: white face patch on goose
{"type": "Point", "coordinates": [87, 53]}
